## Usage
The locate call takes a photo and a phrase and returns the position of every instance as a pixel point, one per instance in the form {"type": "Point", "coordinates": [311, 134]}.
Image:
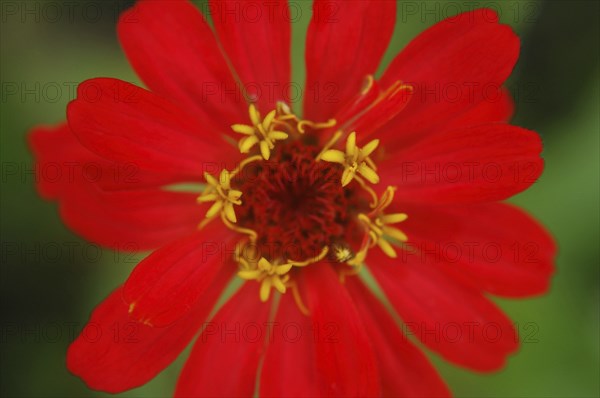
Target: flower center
{"type": "Point", "coordinates": [295, 203]}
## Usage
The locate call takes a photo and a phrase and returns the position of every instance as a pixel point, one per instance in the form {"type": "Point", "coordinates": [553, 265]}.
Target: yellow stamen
{"type": "Point", "coordinates": [298, 299]}
{"type": "Point", "coordinates": [368, 89]}
{"type": "Point", "coordinates": [329, 144]}
{"type": "Point", "coordinates": [244, 163]}
{"type": "Point", "coordinates": [284, 110]}
{"type": "Point", "coordinates": [342, 253]}
{"type": "Point", "coordinates": [344, 272]}
{"type": "Point", "coordinates": [302, 124]}
{"type": "Point", "coordinates": [367, 84]}
{"type": "Point", "coordinates": [369, 190]}
{"type": "Point", "coordinates": [251, 234]}
{"type": "Point", "coordinates": [394, 89]}
{"type": "Point", "coordinates": [269, 274]}
{"type": "Point", "coordinates": [355, 160]}
{"type": "Point", "coordinates": [261, 132]}
{"type": "Point", "coordinates": [359, 258]}
{"type": "Point", "coordinates": [220, 192]}
{"type": "Point", "coordinates": [378, 229]}
{"type": "Point", "coordinates": [311, 260]}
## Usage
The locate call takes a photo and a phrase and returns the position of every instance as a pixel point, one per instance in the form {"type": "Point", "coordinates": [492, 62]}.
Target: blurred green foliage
{"type": "Point", "coordinates": [559, 62]}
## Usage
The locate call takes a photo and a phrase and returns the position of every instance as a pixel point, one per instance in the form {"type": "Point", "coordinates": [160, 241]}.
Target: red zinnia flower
{"type": "Point", "coordinates": [391, 174]}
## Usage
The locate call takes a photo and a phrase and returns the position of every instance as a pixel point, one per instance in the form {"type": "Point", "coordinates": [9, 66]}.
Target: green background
{"type": "Point", "coordinates": [48, 291]}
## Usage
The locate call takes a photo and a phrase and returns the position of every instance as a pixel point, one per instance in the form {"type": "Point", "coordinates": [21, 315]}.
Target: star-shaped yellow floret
{"type": "Point", "coordinates": [355, 161]}
{"type": "Point", "coordinates": [378, 224]}
{"type": "Point", "coordinates": [220, 192]}
{"type": "Point", "coordinates": [380, 228]}
{"type": "Point", "coordinates": [270, 275]}
{"type": "Point", "coordinates": [261, 132]}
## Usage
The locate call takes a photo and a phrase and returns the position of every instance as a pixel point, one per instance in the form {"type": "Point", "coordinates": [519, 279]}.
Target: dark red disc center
{"type": "Point", "coordinates": [295, 204]}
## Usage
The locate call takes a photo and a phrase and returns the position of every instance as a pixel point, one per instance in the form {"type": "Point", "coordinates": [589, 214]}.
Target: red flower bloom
{"type": "Point", "coordinates": [396, 174]}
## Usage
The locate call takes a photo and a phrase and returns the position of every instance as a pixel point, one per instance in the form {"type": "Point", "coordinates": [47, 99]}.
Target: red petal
{"type": "Point", "coordinates": [126, 123]}
{"type": "Point", "coordinates": [453, 66]}
{"type": "Point", "coordinates": [173, 50]}
{"type": "Point", "coordinates": [498, 110]}
{"type": "Point", "coordinates": [451, 318]}
{"type": "Point", "coordinates": [340, 361]}
{"type": "Point", "coordinates": [404, 370]}
{"type": "Point", "coordinates": [225, 358]}
{"type": "Point", "coordinates": [344, 44]}
{"type": "Point", "coordinates": [64, 165]}
{"type": "Point", "coordinates": [256, 37]}
{"type": "Point", "coordinates": [130, 220]}
{"type": "Point", "coordinates": [483, 163]}
{"type": "Point", "coordinates": [496, 245]}
{"type": "Point", "coordinates": [167, 283]}
{"type": "Point", "coordinates": [289, 368]}
{"type": "Point", "coordinates": [374, 109]}
{"type": "Point", "coordinates": [134, 219]}
{"type": "Point", "coordinates": [114, 353]}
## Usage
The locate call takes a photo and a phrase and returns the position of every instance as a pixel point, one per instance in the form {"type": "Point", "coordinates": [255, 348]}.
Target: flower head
{"type": "Point", "coordinates": [295, 208]}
